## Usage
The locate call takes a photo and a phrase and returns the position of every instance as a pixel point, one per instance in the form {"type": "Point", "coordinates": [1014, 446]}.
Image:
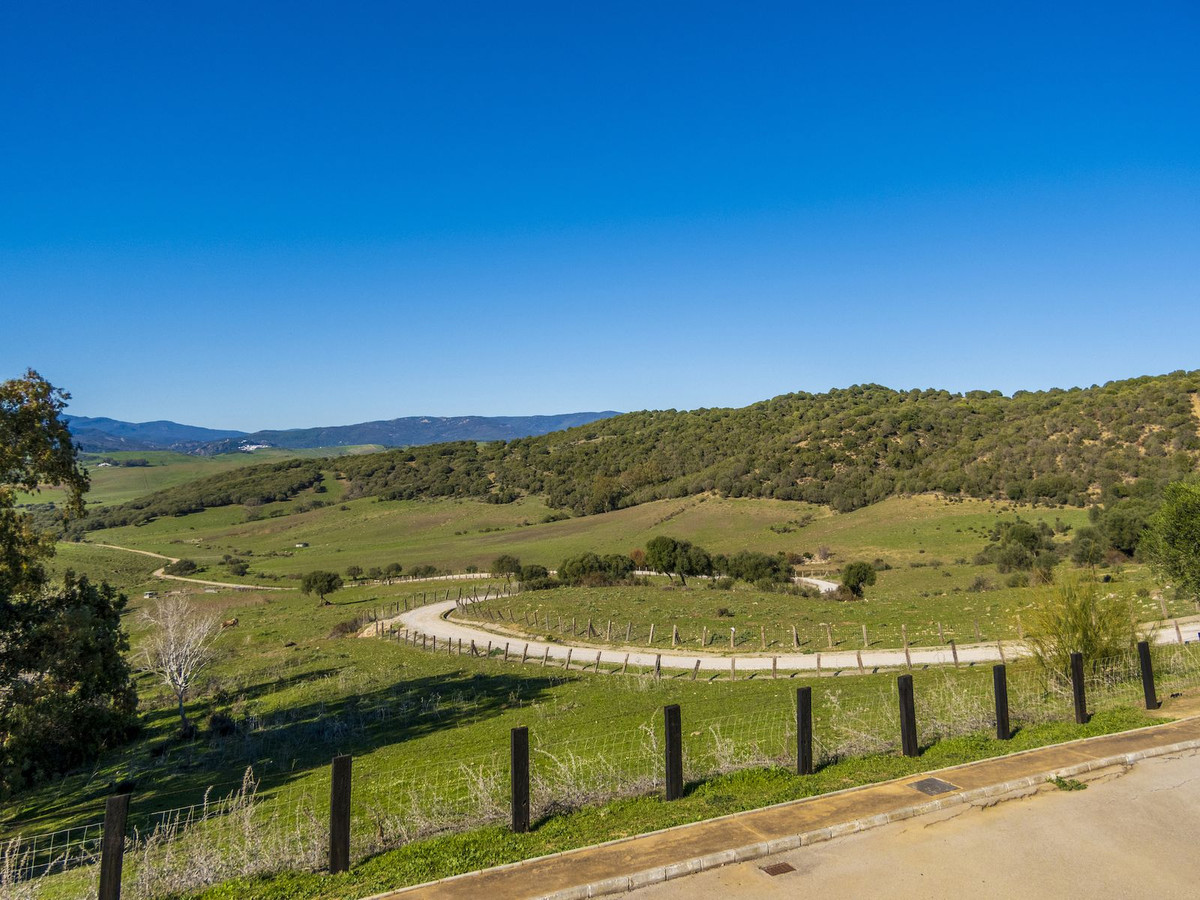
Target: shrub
{"type": "Point", "coordinates": [723, 612]}
{"type": "Point", "coordinates": [1018, 580]}
{"type": "Point", "coordinates": [181, 567]}
{"type": "Point", "coordinates": [1075, 618]}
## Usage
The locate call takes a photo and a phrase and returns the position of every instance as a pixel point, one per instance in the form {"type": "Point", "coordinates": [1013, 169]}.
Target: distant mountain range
{"type": "Point", "coordinates": [102, 435]}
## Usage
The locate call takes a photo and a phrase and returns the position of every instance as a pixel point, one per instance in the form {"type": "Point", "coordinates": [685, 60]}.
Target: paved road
{"type": "Point", "coordinates": [432, 620]}
{"type": "Point", "coordinates": [1131, 836]}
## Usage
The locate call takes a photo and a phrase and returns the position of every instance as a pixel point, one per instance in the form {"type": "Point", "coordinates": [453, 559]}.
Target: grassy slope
{"type": "Point", "coordinates": [326, 695]}
{"type": "Point", "coordinates": [117, 484]}
{"type": "Point", "coordinates": [456, 533]}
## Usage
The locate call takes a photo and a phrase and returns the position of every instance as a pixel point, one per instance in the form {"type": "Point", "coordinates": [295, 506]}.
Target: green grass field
{"type": "Point", "coordinates": [454, 534]}
{"type": "Point", "coordinates": [429, 729]}
{"type": "Point", "coordinates": [119, 484]}
{"type": "Point", "coordinates": [919, 599]}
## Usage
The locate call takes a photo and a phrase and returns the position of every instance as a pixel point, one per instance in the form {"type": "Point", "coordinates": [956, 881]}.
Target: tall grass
{"type": "Point", "coordinates": [1075, 617]}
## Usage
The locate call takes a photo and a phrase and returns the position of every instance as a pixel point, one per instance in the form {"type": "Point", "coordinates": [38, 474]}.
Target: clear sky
{"type": "Point", "coordinates": [261, 215]}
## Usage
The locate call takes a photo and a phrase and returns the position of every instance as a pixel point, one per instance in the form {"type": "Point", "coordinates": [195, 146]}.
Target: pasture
{"type": "Point", "coordinates": [292, 687]}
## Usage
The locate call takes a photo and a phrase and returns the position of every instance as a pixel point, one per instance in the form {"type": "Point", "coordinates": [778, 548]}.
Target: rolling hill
{"type": "Point", "coordinates": [846, 449]}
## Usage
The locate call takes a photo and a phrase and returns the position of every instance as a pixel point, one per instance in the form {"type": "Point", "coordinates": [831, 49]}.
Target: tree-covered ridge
{"type": "Point", "coordinates": [251, 485]}
{"type": "Point", "coordinates": [846, 448]}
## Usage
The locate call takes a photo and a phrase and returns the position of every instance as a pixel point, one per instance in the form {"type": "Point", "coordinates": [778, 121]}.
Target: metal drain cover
{"type": "Point", "coordinates": [778, 869]}
{"type": "Point", "coordinates": [933, 786]}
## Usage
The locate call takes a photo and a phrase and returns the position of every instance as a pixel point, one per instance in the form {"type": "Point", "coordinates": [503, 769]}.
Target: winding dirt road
{"type": "Point", "coordinates": [159, 573]}
{"type": "Point", "coordinates": [434, 620]}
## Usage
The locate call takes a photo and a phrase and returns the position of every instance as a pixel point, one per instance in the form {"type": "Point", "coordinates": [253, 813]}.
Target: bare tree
{"type": "Point", "coordinates": [179, 646]}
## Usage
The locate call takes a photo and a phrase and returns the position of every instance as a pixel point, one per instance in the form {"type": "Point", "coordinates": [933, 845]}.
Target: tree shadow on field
{"type": "Point", "coordinates": [287, 744]}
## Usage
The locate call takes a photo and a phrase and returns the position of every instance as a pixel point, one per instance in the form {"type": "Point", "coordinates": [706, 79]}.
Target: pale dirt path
{"type": "Point", "coordinates": [159, 573]}
{"type": "Point", "coordinates": [433, 620]}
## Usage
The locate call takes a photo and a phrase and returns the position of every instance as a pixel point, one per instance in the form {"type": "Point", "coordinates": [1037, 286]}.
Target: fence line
{"type": "Point", "coordinates": [185, 847]}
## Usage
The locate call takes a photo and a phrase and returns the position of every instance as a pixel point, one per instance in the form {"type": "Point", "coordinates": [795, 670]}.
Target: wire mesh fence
{"type": "Point", "coordinates": [248, 828]}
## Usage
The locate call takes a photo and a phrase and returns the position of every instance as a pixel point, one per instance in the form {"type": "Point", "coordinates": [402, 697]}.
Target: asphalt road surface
{"type": "Point", "coordinates": [1127, 835]}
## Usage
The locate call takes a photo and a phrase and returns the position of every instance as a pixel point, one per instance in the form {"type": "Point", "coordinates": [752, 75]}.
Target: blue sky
{"type": "Point", "coordinates": [283, 215]}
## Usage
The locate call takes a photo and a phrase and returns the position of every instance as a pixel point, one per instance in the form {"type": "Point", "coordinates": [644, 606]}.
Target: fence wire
{"type": "Point", "coordinates": [250, 828]}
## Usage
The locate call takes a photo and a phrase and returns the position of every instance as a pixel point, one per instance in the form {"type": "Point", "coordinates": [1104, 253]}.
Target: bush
{"type": "Point", "coordinates": [723, 612]}
{"type": "Point", "coordinates": [221, 725]}
{"type": "Point", "coordinates": [980, 584]}
{"type": "Point", "coordinates": [1075, 618]}
{"type": "Point", "coordinates": [1018, 580]}
{"type": "Point", "coordinates": [723, 583]}
{"type": "Point", "coordinates": [181, 567]}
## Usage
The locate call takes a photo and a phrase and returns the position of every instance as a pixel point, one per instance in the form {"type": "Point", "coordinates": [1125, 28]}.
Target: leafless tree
{"type": "Point", "coordinates": [179, 646]}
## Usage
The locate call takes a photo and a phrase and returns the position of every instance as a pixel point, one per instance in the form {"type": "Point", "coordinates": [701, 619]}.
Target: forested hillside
{"type": "Point", "coordinates": [846, 448]}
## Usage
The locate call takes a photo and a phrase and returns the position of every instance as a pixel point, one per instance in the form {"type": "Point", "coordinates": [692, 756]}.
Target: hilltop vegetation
{"type": "Point", "coordinates": [846, 449]}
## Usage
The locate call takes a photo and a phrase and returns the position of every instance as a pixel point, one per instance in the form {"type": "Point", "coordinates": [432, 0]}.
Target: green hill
{"type": "Point", "coordinates": [846, 449]}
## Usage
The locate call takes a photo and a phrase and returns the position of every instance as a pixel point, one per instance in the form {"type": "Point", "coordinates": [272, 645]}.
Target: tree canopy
{"type": "Point", "coordinates": [320, 583]}
{"type": "Point", "coordinates": [857, 576]}
{"type": "Point", "coordinates": [1171, 541]}
{"type": "Point", "coordinates": [671, 557]}
{"type": "Point", "coordinates": [65, 687]}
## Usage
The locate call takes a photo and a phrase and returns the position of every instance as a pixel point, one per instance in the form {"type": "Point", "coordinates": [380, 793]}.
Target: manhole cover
{"type": "Point", "coordinates": [933, 786]}
{"type": "Point", "coordinates": [778, 869]}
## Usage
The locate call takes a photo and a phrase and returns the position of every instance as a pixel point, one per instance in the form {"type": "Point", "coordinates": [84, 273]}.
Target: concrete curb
{"type": "Point", "coordinates": [658, 874]}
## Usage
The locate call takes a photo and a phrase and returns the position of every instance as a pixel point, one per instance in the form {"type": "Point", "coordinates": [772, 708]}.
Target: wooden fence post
{"type": "Point", "coordinates": [1147, 668]}
{"type": "Point", "coordinates": [339, 816]}
{"type": "Point", "coordinates": [804, 731]}
{"type": "Point", "coordinates": [954, 652]}
{"type": "Point", "coordinates": [112, 846]}
{"type": "Point", "coordinates": [519, 768]}
{"type": "Point", "coordinates": [1078, 691]}
{"type": "Point", "coordinates": [1000, 688]}
{"type": "Point", "coordinates": [695, 670]}
{"type": "Point", "coordinates": [904, 638]}
{"type": "Point", "coordinates": [674, 750]}
{"type": "Point", "coordinates": [908, 716]}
